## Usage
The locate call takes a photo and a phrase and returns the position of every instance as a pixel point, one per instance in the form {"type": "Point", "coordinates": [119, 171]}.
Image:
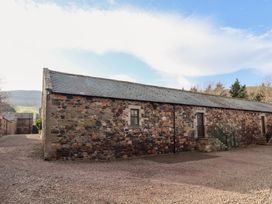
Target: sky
{"type": "Point", "coordinates": [172, 43]}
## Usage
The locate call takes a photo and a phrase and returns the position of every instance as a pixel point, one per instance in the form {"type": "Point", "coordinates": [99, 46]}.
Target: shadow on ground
{"type": "Point", "coordinates": [180, 157]}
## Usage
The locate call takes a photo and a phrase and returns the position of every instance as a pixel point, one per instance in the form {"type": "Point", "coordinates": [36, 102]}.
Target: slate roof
{"type": "Point", "coordinates": [24, 115]}
{"type": "Point", "coordinates": [59, 82]}
{"type": "Point", "coordinates": [9, 116]}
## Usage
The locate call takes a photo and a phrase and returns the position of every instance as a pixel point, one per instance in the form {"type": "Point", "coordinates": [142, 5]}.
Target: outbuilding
{"type": "Point", "coordinates": [24, 123]}
{"type": "Point", "coordinates": [97, 118]}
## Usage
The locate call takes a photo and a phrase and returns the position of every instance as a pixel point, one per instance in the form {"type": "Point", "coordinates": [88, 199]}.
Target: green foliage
{"type": "Point", "coordinates": [260, 93]}
{"type": "Point", "coordinates": [38, 123]}
{"type": "Point", "coordinates": [237, 90]}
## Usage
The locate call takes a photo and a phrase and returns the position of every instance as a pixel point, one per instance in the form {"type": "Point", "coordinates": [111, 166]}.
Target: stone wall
{"type": "Point", "coordinates": [98, 128]}
{"type": "Point", "coordinates": [11, 127]}
{"type": "Point", "coordinates": [3, 126]}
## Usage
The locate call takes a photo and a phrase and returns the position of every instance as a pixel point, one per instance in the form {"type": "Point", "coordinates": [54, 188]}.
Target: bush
{"type": "Point", "coordinates": [35, 129]}
{"type": "Point", "coordinates": [38, 124]}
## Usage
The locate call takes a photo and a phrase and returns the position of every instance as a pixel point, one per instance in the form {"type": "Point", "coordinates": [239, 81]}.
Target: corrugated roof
{"type": "Point", "coordinates": [65, 83]}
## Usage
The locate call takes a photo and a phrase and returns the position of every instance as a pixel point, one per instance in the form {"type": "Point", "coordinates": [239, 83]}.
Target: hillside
{"type": "Point", "coordinates": [25, 101]}
{"type": "Point", "coordinates": [265, 90]}
{"type": "Point", "coordinates": [261, 93]}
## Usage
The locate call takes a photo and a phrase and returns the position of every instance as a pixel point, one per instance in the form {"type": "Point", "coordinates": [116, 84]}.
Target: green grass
{"type": "Point", "coordinates": [26, 109]}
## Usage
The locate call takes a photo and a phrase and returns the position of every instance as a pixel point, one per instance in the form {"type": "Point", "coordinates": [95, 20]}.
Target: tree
{"type": "Point", "coordinates": [259, 96]}
{"type": "Point", "coordinates": [3, 98]}
{"type": "Point", "coordinates": [4, 105]}
{"type": "Point", "coordinates": [220, 89]}
{"type": "Point", "coordinates": [38, 123]}
{"type": "Point", "coordinates": [194, 89]}
{"type": "Point", "coordinates": [237, 90]}
{"type": "Point", "coordinates": [209, 89]}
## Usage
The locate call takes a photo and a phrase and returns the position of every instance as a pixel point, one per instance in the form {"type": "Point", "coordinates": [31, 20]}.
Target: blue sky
{"type": "Point", "coordinates": [253, 15]}
{"type": "Point", "coordinates": [187, 42]}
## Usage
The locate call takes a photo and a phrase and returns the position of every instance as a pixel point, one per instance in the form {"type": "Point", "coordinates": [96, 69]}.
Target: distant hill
{"type": "Point", "coordinates": [265, 90]}
{"type": "Point", "coordinates": [30, 101]}
{"type": "Point", "coordinates": [24, 98]}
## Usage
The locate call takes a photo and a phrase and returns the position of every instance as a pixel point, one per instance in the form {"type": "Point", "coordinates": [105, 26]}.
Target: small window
{"type": "Point", "coordinates": [134, 117]}
{"type": "Point", "coordinates": [200, 125]}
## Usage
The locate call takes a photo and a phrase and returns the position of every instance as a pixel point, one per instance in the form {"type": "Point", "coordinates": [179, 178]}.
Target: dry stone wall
{"type": "Point", "coordinates": [98, 128]}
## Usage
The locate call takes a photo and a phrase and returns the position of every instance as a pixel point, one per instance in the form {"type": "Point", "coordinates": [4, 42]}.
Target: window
{"type": "Point", "coordinates": [263, 125]}
{"type": "Point", "coordinates": [200, 125]}
{"type": "Point", "coordinates": [134, 117]}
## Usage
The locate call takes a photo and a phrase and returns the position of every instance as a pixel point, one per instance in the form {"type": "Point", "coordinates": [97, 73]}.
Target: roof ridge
{"type": "Point", "coordinates": [160, 87]}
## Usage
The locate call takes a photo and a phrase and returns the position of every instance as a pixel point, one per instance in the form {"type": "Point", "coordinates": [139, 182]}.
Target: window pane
{"type": "Point", "coordinates": [134, 117]}
{"type": "Point", "coordinates": [134, 112]}
{"type": "Point", "coordinates": [134, 121]}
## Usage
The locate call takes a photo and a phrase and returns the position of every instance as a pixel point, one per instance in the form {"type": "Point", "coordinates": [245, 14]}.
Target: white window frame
{"type": "Point", "coordinates": [195, 124]}
{"type": "Point", "coordinates": [130, 107]}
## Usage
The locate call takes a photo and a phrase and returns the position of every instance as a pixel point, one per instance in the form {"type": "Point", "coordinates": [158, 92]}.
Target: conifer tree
{"type": "Point", "coordinates": [237, 90]}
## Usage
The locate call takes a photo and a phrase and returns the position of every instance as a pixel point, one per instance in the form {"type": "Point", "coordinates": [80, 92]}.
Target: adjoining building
{"type": "Point", "coordinates": [96, 118]}
{"type": "Point", "coordinates": [24, 123]}
{"type": "Point", "coordinates": [7, 124]}
{"type": "Point", "coordinates": [11, 123]}
{"type": "Point", "coordinates": [3, 125]}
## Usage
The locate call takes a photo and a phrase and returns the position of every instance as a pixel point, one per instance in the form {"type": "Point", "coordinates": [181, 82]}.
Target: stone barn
{"type": "Point", "coordinates": [24, 123]}
{"type": "Point", "coordinates": [96, 118]}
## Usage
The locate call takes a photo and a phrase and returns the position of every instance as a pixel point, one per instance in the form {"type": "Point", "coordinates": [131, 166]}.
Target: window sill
{"type": "Point", "coordinates": [133, 127]}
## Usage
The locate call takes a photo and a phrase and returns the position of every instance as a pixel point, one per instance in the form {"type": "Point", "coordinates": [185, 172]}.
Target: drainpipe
{"type": "Point", "coordinates": [174, 125]}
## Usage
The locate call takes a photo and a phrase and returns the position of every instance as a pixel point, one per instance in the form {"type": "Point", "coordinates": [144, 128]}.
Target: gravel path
{"type": "Point", "coordinates": [239, 176]}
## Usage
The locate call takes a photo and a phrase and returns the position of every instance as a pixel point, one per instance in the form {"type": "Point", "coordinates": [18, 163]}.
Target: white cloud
{"type": "Point", "coordinates": [32, 36]}
{"type": "Point", "coordinates": [122, 77]}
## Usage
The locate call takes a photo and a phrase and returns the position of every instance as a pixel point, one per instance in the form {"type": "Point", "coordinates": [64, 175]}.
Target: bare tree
{"type": "Point", "coordinates": [217, 89]}
{"type": "Point", "coordinates": [194, 89]}
{"type": "Point", "coordinates": [209, 89]}
{"type": "Point", "coordinates": [220, 89]}
{"type": "Point", "coordinates": [3, 99]}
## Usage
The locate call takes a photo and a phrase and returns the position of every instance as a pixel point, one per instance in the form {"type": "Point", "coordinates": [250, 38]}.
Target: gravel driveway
{"type": "Point", "coordinates": [238, 176]}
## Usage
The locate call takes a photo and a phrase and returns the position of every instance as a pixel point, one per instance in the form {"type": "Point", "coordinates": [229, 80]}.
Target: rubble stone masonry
{"type": "Point", "coordinates": [98, 128]}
